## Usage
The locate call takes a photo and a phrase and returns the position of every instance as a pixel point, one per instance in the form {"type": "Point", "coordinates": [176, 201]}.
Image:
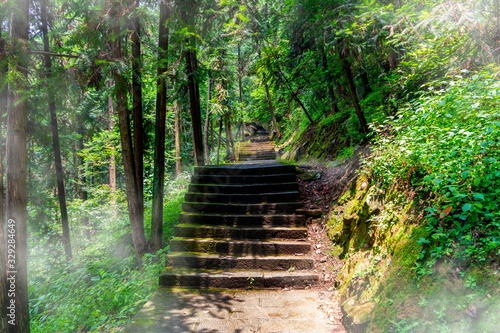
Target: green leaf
{"type": "Point", "coordinates": [466, 207]}
{"type": "Point", "coordinates": [478, 196]}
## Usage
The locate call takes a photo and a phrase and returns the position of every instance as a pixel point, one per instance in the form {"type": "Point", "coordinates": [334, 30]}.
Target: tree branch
{"type": "Point", "coordinates": [52, 54]}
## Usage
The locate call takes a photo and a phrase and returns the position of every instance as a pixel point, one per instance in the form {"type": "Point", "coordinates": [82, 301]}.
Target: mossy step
{"type": "Point", "coordinates": [257, 156]}
{"type": "Point", "coordinates": [243, 179]}
{"type": "Point", "coordinates": [256, 143]}
{"type": "Point", "coordinates": [267, 208]}
{"type": "Point", "coordinates": [247, 262]}
{"type": "Point", "coordinates": [266, 144]}
{"type": "Point", "coordinates": [245, 169]}
{"type": "Point", "coordinates": [243, 188]}
{"type": "Point", "coordinates": [251, 179]}
{"type": "Point", "coordinates": [256, 151]}
{"type": "Point", "coordinates": [236, 279]}
{"type": "Point", "coordinates": [241, 232]}
{"type": "Point", "coordinates": [239, 247]}
{"type": "Point", "coordinates": [242, 198]}
{"type": "Point", "coordinates": [289, 220]}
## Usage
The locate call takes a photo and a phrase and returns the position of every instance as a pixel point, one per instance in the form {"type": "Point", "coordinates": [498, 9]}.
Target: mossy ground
{"type": "Point", "coordinates": [385, 284]}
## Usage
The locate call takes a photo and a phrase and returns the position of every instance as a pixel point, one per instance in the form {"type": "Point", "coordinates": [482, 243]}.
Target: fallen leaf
{"type": "Point", "coordinates": [445, 211]}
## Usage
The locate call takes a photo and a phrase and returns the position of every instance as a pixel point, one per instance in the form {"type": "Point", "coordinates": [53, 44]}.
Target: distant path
{"type": "Point", "coordinates": [257, 146]}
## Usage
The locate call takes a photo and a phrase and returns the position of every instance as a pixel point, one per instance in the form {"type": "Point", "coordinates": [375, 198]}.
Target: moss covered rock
{"type": "Point", "coordinates": [387, 284]}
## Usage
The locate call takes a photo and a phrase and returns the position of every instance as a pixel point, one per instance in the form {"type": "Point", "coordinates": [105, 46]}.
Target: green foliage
{"type": "Point", "coordinates": [446, 143]}
{"type": "Point", "coordinates": [101, 289]}
{"type": "Point", "coordinates": [91, 295]}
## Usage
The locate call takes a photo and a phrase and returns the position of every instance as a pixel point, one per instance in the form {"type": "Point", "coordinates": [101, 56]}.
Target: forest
{"type": "Point", "coordinates": [106, 106]}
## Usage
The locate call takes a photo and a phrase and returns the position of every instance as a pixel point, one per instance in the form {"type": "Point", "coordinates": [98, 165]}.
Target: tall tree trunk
{"type": "Point", "coordinates": [160, 121]}
{"type": "Point", "coordinates": [81, 178]}
{"type": "Point", "coordinates": [346, 67]}
{"type": "Point", "coordinates": [206, 147]}
{"type": "Point", "coordinates": [134, 193]}
{"type": "Point", "coordinates": [61, 192]}
{"type": "Point", "coordinates": [220, 140]}
{"type": "Point", "coordinates": [16, 167]}
{"type": "Point", "coordinates": [3, 248]}
{"type": "Point", "coordinates": [329, 79]}
{"type": "Point", "coordinates": [112, 158]}
{"type": "Point", "coordinates": [194, 101]}
{"type": "Point", "coordinates": [189, 10]}
{"type": "Point", "coordinates": [271, 110]}
{"type": "Point", "coordinates": [177, 138]}
{"type": "Point", "coordinates": [240, 88]}
{"type": "Point", "coordinates": [229, 138]}
{"type": "Point", "coordinates": [139, 135]}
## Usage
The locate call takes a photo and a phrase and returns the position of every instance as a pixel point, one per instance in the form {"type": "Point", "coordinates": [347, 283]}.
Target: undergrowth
{"type": "Point", "coordinates": [447, 143]}
{"type": "Point", "coordinates": [100, 289]}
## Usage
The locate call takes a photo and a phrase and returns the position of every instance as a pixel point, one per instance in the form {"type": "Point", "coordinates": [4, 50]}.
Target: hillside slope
{"type": "Point", "coordinates": [417, 225]}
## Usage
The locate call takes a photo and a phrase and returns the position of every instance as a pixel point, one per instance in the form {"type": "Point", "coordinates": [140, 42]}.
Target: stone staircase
{"type": "Point", "coordinates": [251, 151]}
{"type": "Point", "coordinates": [258, 147]}
{"type": "Point", "coordinates": [239, 230]}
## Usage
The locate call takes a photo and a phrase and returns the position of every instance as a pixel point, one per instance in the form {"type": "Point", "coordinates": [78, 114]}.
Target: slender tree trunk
{"type": "Point", "coordinates": [3, 241]}
{"type": "Point", "coordinates": [16, 178]}
{"type": "Point", "coordinates": [220, 140]}
{"type": "Point", "coordinates": [195, 108]}
{"type": "Point", "coordinates": [329, 80]}
{"type": "Point", "coordinates": [112, 158]}
{"type": "Point", "coordinates": [188, 11]}
{"type": "Point", "coordinates": [160, 121]}
{"type": "Point", "coordinates": [55, 136]}
{"type": "Point", "coordinates": [206, 133]}
{"type": "Point", "coordinates": [294, 95]}
{"type": "Point", "coordinates": [271, 110]}
{"type": "Point", "coordinates": [134, 193]}
{"type": "Point", "coordinates": [240, 88]}
{"type": "Point", "coordinates": [229, 138]}
{"type": "Point", "coordinates": [81, 180]}
{"type": "Point", "coordinates": [139, 135]}
{"type": "Point", "coordinates": [177, 138]}
{"type": "Point", "coordinates": [496, 14]}
{"type": "Point", "coordinates": [346, 67]}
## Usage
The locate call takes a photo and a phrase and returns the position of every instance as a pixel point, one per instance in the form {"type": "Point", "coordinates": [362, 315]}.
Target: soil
{"type": "Point", "coordinates": [322, 194]}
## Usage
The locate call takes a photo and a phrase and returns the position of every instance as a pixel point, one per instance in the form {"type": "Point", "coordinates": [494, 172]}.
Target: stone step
{"type": "Point", "coordinates": [269, 142]}
{"type": "Point", "coordinates": [267, 220]}
{"type": "Point", "coordinates": [257, 156]}
{"type": "Point", "coordinates": [257, 144]}
{"type": "Point", "coordinates": [258, 168]}
{"type": "Point", "coordinates": [250, 150]}
{"type": "Point", "coordinates": [220, 208]}
{"type": "Point", "coordinates": [256, 149]}
{"type": "Point", "coordinates": [208, 279]}
{"type": "Point", "coordinates": [243, 188]}
{"type": "Point", "coordinates": [243, 179]}
{"type": "Point", "coordinates": [242, 198]}
{"type": "Point", "coordinates": [239, 247]}
{"type": "Point", "coordinates": [239, 232]}
{"type": "Point", "coordinates": [246, 262]}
